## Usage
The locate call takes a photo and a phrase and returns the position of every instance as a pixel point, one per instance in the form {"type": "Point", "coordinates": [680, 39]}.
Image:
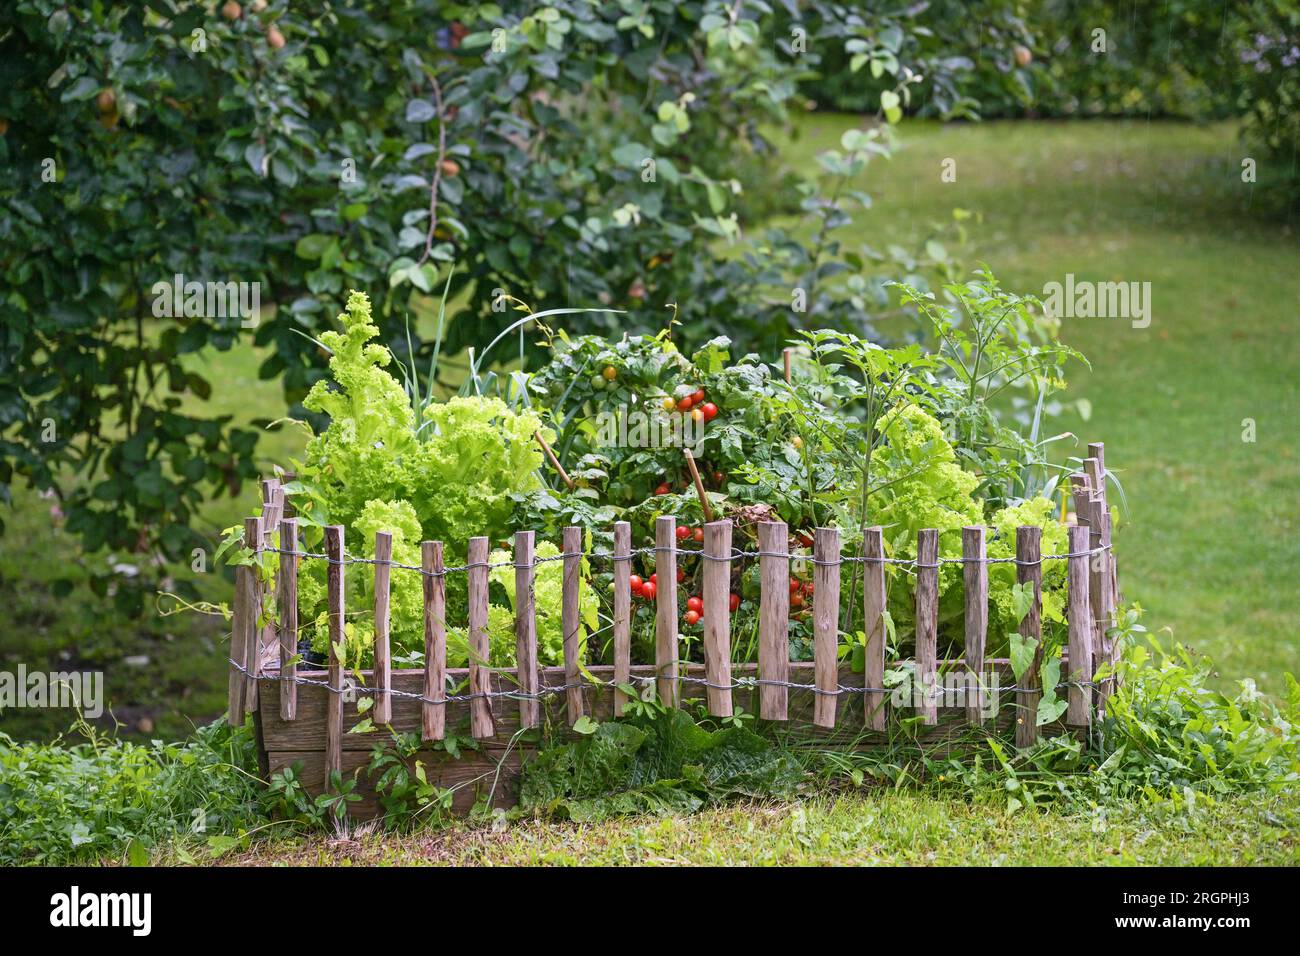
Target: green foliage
{"type": "Point", "coordinates": [548, 595]}
{"type": "Point", "coordinates": [560, 152]}
{"type": "Point", "coordinates": [964, 51]}
{"type": "Point", "coordinates": [70, 803]}
{"type": "Point", "coordinates": [658, 761]}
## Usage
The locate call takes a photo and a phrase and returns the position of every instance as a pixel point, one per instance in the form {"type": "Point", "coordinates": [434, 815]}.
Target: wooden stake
{"type": "Point", "coordinates": [433, 719]}
{"type": "Point", "coordinates": [572, 622]}
{"type": "Point", "coordinates": [334, 698]}
{"type": "Point", "coordinates": [826, 623]}
{"type": "Point", "coordinates": [253, 634]}
{"type": "Point", "coordinates": [699, 485]}
{"type": "Point", "coordinates": [773, 619]}
{"type": "Point", "coordinates": [873, 609]}
{"type": "Point", "coordinates": [288, 601]}
{"type": "Point", "coordinates": [785, 354]}
{"type": "Point", "coordinates": [555, 462]}
{"type": "Point", "coordinates": [975, 575]}
{"type": "Point", "coordinates": [717, 616]}
{"type": "Point", "coordinates": [383, 665]}
{"type": "Point", "coordinates": [927, 621]}
{"type": "Point", "coordinates": [666, 608]}
{"type": "Point", "coordinates": [1079, 617]}
{"type": "Point", "coordinates": [526, 628]}
{"type": "Point", "coordinates": [481, 724]}
{"type": "Point", "coordinates": [622, 611]}
{"type": "Point", "coordinates": [1029, 570]}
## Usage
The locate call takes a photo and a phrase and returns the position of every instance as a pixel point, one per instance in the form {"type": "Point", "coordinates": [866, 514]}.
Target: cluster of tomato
{"type": "Point", "coordinates": [801, 593]}
{"type": "Point", "coordinates": [694, 404]}
{"type": "Point", "coordinates": [694, 605]}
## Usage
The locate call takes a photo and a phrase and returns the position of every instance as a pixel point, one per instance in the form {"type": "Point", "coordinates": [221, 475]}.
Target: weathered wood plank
{"type": "Point", "coordinates": [383, 662]}
{"type": "Point", "coordinates": [1029, 570]}
{"type": "Point", "coordinates": [1079, 617]}
{"type": "Point", "coordinates": [927, 620]}
{"type": "Point", "coordinates": [526, 627]}
{"type": "Point", "coordinates": [826, 623]}
{"type": "Point", "coordinates": [622, 610]}
{"type": "Point", "coordinates": [288, 601]}
{"type": "Point", "coordinates": [254, 634]}
{"type": "Point", "coordinates": [335, 598]}
{"type": "Point", "coordinates": [481, 715]}
{"type": "Point", "coordinates": [666, 609]}
{"type": "Point", "coordinates": [433, 724]}
{"type": "Point", "coordinates": [975, 578]}
{"type": "Point", "coordinates": [773, 619]}
{"type": "Point", "coordinates": [572, 621]}
{"type": "Point", "coordinates": [307, 732]}
{"type": "Point", "coordinates": [716, 593]}
{"type": "Point", "coordinates": [873, 608]}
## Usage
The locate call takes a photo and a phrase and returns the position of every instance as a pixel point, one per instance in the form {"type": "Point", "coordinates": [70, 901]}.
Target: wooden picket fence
{"type": "Point", "coordinates": [301, 714]}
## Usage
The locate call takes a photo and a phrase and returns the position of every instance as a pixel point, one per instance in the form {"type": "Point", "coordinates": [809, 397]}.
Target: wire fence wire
{"type": "Point", "coordinates": [735, 553]}
{"type": "Point", "coordinates": [591, 683]}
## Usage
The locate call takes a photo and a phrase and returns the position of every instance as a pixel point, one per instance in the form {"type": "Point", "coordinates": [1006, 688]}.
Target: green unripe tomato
{"type": "Point", "coordinates": [598, 382]}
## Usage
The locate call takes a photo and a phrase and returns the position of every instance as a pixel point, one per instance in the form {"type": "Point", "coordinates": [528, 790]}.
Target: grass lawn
{"type": "Point", "coordinates": [1209, 548]}
{"type": "Point", "coordinates": [887, 827]}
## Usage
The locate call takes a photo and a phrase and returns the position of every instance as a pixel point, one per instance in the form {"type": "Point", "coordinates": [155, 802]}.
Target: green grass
{"type": "Point", "coordinates": [888, 827]}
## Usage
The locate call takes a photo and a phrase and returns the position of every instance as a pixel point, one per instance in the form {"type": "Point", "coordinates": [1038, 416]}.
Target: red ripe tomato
{"type": "Point", "coordinates": [634, 583]}
{"type": "Point", "coordinates": [663, 489]}
{"type": "Point", "coordinates": [698, 396]}
{"type": "Point", "coordinates": [795, 585]}
{"type": "Point", "coordinates": [681, 575]}
{"type": "Point", "coordinates": [733, 602]}
{"type": "Point", "coordinates": [684, 405]}
{"type": "Point", "coordinates": [691, 618]}
{"type": "Point", "coordinates": [710, 411]}
{"type": "Point", "coordinates": [719, 477]}
{"type": "Point", "coordinates": [698, 534]}
{"type": "Point", "coordinates": [648, 590]}
{"type": "Point", "coordinates": [654, 579]}
{"type": "Point", "coordinates": [808, 587]}
{"type": "Point", "coordinates": [796, 601]}
{"type": "Point", "coordinates": [694, 604]}
{"type": "Point", "coordinates": [683, 532]}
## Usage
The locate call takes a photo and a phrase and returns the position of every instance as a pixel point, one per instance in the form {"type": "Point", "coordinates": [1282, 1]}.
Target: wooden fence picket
{"type": "Point", "coordinates": [433, 718]}
{"type": "Point", "coordinates": [716, 593]}
{"type": "Point", "coordinates": [254, 634]}
{"type": "Point", "coordinates": [975, 579]}
{"type": "Point", "coordinates": [773, 619]}
{"type": "Point", "coordinates": [1029, 570]}
{"type": "Point", "coordinates": [288, 602]}
{"type": "Point", "coordinates": [481, 723]}
{"type": "Point", "coordinates": [826, 624]}
{"type": "Point", "coordinates": [334, 699]}
{"type": "Point", "coordinates": [666, 609]}
{"type": "Point", "coordinates": [526, 628]}
{"type": "Point", "coordinates": [927, 622]}
{"type": "Point", "coordinates": [1079, 618]}
{"type": "Point", "coordinates": [622, 612]}
{"type": "Point", "coordinates": [873, 610]}
{"type": "Point", "coordinates": [572, 622]}
{"type": "Point", "coordinates": [383, 668]}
